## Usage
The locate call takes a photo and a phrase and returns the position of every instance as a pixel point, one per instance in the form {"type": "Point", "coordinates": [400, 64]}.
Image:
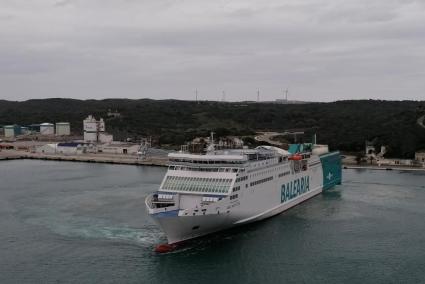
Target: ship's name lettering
{"type": "Point", "coordinates": [294, 188]}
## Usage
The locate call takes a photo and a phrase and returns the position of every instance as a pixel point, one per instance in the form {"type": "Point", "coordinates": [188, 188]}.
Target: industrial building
{"type": "Point", "coordinates": [394, 162]}
{"type": "Point", "coordinates": [48, 149]}
{"type": "Point", "coordinates": [47, 129]}
{"type": "Point", "coordinates": [105, 138]}
{"type": "Point", "coordinates": [24, 130]}
{"type": "Point", "coordinates": [74, 148]}
{"type": "Point", "coordinates": [70, 148]}
{"type": "Point", "coordinates": [420, 158]}
{"type": "Point", "coordinates": [94, 130]}
{"type": "Point", "coordinates": [119, 148]}
{"type": "Point", "coordinates": [63, 128]}
{"type": "Point", "coordinates": [34, 128]}
{"type": "Point", "coordinates": [11, 131]}
{"type": "Point", "coordinates": [77, 148]}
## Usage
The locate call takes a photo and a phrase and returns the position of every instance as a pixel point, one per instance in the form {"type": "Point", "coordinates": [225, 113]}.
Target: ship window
{"type": "Point", "coordinates": [261, 181]}
{"type": "Point", "coordinates": [196, 184]}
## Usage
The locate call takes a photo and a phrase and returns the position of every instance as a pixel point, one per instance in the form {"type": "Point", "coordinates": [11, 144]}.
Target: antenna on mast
{"type": "Point", "coordinates": [258, 95]}
{"type": "Point", "coordinates": [196, 94]}
{"type": "Point", "coordinates": [223, 97]}
{"type": "Point", "coordinates": [286, 95]}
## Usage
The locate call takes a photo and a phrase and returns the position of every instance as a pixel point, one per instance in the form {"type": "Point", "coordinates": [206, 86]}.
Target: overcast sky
{"type": "Point", "coordinates": [322, 50]}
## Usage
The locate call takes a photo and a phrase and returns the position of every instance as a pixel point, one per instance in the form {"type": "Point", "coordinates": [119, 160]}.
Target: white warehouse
{"type": "Point", "coordinates": [63, 129]}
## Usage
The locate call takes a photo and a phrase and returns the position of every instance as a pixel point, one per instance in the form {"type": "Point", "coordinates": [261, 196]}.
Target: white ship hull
{"type": "Point", "coordinates": [178, 229]}
{"type": "Point", "coordinates": [277, 188]}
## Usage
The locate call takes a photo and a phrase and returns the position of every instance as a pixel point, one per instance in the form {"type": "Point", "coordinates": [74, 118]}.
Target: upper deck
{"type": "Point", "coordinates": [217, 171]}
{"type": "Point", "coordinates": [226, 157]}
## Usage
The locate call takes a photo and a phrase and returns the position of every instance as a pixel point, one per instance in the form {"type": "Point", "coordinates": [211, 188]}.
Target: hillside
{"type": "Point", "coordinates": [344, 125]}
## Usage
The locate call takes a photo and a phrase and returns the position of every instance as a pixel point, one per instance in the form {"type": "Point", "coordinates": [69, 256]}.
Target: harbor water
{"type": "Point", "coordinates": [69, 222]}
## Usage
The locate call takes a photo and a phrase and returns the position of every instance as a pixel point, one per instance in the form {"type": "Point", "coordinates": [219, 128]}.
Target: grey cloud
{"type": "Point", "coordinates": [322, 50]}
{"type": "Point", "coordinates": [62, 3]}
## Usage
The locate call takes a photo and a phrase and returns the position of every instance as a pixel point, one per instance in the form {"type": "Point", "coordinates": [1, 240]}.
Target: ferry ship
{"type": "Point", "coordinates": [203, 194]}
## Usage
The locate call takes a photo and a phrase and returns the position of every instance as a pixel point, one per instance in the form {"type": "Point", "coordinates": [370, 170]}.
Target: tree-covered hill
{"type": "Point", "coordinates": [344, 125]}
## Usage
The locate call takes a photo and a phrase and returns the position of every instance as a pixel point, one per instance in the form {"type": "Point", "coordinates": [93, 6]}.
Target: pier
{"type": "Point", "coordinates": [87, 158]}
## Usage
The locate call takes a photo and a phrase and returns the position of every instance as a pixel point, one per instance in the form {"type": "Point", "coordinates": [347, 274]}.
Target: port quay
{"type": "Point", "coordinates": [88, 158]}
{"type": "Point", "coordinates": [46, 142]}
{"type": "Point", "coordinates": [19, 151]}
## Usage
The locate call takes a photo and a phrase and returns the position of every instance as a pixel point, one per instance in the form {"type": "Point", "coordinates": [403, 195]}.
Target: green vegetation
{"type": "Point", "coordinates": [344, 125]}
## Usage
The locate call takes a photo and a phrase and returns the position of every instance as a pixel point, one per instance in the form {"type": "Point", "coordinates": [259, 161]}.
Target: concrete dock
{"type": "Point", "coordinates": [88, 158]}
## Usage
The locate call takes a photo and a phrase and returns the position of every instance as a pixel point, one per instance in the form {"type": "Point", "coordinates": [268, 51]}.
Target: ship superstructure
{"type": "Point", "coordinates": [202, 194]}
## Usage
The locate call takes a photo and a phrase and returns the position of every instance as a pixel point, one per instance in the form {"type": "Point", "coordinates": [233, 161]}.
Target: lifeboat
{"type": "Point", "coordinates": [296, 157]}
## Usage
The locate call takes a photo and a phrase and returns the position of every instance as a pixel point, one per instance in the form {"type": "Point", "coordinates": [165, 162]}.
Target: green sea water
{"type": "Point", "coordinates": [64, 222]}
